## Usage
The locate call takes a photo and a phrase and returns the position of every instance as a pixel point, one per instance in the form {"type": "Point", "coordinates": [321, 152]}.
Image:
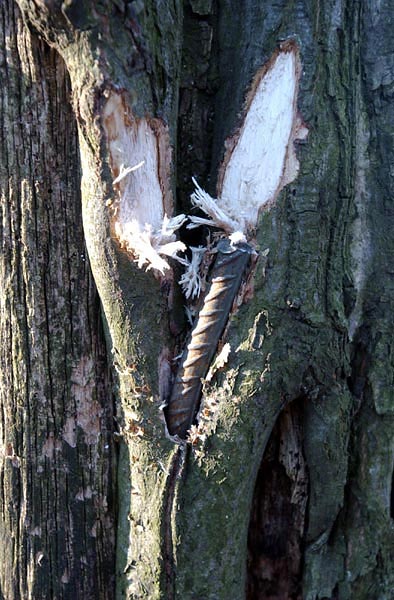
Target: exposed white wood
{"type": "Point", "coordinates": [255, 169]}
{"type": "Point", "coordinates": [139, 151]}
{"type": "Point", "coordinates": [220, 218]}
{"type": "Point", "coordinates": [261, 159]}
{"type": "Point", "coordinates": [126, 170]}
{"type": "Point", "coordinates": [190, 281]}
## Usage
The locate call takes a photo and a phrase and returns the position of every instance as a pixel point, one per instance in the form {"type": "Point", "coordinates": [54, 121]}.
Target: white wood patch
{"type": "Point", "coordinates": [140, 154]}
{"type": "Point", "coordinates": [261, 159]}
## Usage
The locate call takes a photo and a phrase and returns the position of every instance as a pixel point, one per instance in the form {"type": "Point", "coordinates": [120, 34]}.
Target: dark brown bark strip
{"type": "Point", "coordinates": [56, 448]}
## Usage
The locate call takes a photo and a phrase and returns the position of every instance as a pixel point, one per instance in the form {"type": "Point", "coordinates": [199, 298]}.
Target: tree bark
{"type": "Point", "coordinates": [288, 494]}
{"type": "Point", "coordinates": [57, 450]}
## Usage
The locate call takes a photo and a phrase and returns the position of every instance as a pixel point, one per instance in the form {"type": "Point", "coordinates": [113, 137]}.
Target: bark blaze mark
{"type": "Point", "coordinates": [140, 157]}
{"type": "Point", "coordinates": [227, 273]}
{"type": "Point", "coordinates": [260, 158]}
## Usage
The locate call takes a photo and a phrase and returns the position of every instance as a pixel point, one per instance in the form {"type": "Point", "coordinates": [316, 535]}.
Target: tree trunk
{"type": "Point", "coordinates": [284, 488]}
{"type": "Point", "coordinates": [57, 450]}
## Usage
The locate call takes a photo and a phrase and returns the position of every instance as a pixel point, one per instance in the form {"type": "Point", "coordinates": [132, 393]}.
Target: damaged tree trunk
{"type": "Point", "coordinates": [276, 481]}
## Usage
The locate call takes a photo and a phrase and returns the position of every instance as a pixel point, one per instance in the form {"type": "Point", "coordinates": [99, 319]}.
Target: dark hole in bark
{"type": "Point", "coordinates": [335, 593]}
{"type": "Point", "coordinates": [194, 237]}
{"type": "Point", "coordinates": [360, 361]}
{"type": "Point", "coordinates": [277, 523]}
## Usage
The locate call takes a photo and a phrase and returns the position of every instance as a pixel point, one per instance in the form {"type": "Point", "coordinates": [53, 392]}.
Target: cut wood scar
{"type": "Point", "coordinates": [260, 158]}
{"type": "Point", "coordinates": [259, 161]}
{"type": "Point", "coordinates": [140, 155]}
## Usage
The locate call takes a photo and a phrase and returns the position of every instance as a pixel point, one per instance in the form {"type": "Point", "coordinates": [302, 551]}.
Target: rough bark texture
{"type": "Point", "coordinates": [56, 446]}
{"type": "Point", "coordinates": [290, 493]}
{"type": "Point", "coordinates": [319, 319]}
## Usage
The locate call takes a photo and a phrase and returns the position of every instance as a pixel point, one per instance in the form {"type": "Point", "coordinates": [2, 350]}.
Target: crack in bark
{"type": "Point", "coordinates": [175, 472]}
